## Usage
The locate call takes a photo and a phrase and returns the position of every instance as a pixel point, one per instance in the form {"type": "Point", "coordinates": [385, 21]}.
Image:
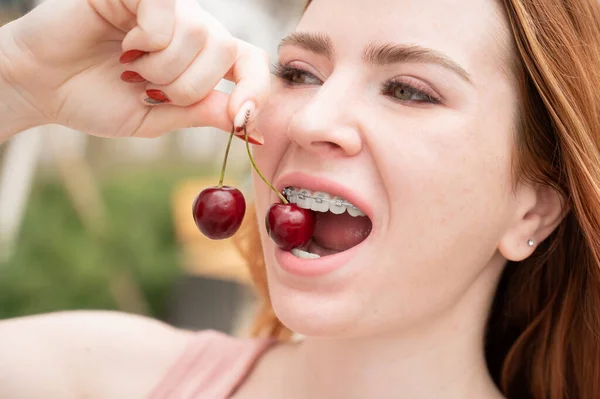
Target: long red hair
{"type": "Point", "coordinates": [544, 326]}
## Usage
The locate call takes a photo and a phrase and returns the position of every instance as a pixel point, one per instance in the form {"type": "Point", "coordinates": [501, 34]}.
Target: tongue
{"type": "Point", "coordinates": [340, 232]}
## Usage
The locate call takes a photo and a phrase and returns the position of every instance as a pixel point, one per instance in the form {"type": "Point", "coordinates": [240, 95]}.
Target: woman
{"type": "Point", "coordinates": [468, 133]}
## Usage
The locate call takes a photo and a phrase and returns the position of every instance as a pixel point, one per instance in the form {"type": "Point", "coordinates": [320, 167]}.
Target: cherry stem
{"type": "Point", "coordinates": [225, 159]}
{"type": "Point", "coordinates": [285, 201]}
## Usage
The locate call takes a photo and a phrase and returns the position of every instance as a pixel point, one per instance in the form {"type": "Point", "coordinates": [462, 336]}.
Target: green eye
{"type": "Point", "coordinates": [406, 93]}
{"type": "Point", "coordinates": [401, 93]}
{"type": "Point", "coordinates": [295, 76]}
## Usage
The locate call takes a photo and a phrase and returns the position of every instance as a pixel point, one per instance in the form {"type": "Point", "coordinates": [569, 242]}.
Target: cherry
{"type": "Point", "coordinates": [290, 226]}
{"type": "Point", "coordinates": [219, 211]}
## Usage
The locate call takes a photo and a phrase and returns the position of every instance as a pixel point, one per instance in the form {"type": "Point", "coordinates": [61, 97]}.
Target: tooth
{"type": "Point", "coordinates": [303, 199]}
{"type": "Point", "coordinates": [354, 211]}
{"type": "Point", "coordinates": [290, 194]}
{"type": "Point", "coordinates": [303, 254]}
{"type": "Point", "coordinates": [337, 206]}
{"type": "Point", "coordinates": [320, 201]}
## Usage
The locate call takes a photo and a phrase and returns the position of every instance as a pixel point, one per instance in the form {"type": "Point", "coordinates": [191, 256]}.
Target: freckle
{"type": "Point", "coordinates": [443, 221]}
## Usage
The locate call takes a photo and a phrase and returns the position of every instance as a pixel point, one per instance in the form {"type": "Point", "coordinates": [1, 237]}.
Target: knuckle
{"type": "Point", "coordinates": [157, 69]}
{"type": "Point", "coordinates": [150, 73]}
{"type": "Point", "coordinates": [189, 94]}
{"type": "Point", "coordinates": [159, 41]}
{"type": "Point", "coordinates": [161, 79]}
{"type": "Point", "coordinates": [165, 74]}
{"type": "Point", "coordinates": [197, 32]}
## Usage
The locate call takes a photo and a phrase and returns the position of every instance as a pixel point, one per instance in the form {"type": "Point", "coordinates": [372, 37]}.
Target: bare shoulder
{"type": "Point", "coordinates": [85, 354]}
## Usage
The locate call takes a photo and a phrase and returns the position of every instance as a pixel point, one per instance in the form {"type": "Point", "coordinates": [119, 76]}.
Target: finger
{"type": "Point", "coordinates": [165, 66]}
{"type": "Point", "coordinates": [211, 111]}
{"type": "Point", "coordinates": [202, 76]}
{"type": "Point", "coordinates": [155, 24]}
{"type": "Point", "coordinates": [253, 81]}
{"type": "Point", "coordinates": [114, 12]}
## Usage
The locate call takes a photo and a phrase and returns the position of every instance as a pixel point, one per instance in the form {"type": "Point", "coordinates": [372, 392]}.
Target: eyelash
{"type": "Point", "coordinates": [388, 88]}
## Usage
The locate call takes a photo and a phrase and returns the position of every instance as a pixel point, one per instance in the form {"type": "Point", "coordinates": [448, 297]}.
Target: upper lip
{"type": "Point", "coordinates": [320, 183]}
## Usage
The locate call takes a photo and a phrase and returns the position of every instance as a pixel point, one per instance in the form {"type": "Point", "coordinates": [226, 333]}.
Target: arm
{"type": "Point", "coordinates": [85, 354]}
{"type": "Point", "coordinates": [16, 114]}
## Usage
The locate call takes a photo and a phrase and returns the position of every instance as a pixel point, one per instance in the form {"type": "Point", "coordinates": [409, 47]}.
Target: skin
{"type": "Point", "coordinates": [52, 63]}
{"type": "Point", "coordinates": [409, 310]}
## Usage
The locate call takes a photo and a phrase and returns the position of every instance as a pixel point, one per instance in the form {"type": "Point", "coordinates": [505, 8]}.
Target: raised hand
{"type": "Point", "coordinates": [99, 66]}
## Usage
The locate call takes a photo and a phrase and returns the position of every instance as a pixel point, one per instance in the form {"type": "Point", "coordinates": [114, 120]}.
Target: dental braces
{"type": "Point", "coordinates": [287, 192]}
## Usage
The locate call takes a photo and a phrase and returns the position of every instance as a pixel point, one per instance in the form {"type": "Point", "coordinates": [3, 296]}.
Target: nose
{"type": "Point", "coordinates": [326, 124]}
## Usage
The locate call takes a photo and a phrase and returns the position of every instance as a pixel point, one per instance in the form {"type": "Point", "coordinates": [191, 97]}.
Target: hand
{"type": "Point", "coordinates": [63, 59]}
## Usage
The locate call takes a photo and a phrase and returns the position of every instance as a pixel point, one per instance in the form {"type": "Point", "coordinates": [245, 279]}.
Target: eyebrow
{"type": "Point", "coordinates": [376, 53]}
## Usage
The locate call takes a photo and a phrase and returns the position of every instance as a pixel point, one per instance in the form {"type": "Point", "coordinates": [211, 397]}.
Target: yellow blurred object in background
{"type": "Point", "coordinates": [201, 256]}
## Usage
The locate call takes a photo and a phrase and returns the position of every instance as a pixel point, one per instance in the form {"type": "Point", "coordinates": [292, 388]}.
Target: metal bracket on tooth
{"type": "Point", "coordinates": [336, 201]}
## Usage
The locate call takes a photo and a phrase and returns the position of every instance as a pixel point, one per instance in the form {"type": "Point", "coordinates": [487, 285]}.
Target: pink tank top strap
{"type": "Point", "coordinates": [212, 367]}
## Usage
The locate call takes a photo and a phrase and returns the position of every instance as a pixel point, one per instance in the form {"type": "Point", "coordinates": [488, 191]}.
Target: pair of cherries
{"type": "Point", "coordinates": [219, 211]}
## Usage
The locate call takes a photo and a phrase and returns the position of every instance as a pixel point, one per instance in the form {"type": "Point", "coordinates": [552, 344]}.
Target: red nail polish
{"type": "Point", "coordinates": [132, 77]}
{"type": "Point", "coordinates": [250, 140]}
{"type": "Point", "coordinates": [131, 55]}
{"type": "Point", "coordinates": [157, 95]}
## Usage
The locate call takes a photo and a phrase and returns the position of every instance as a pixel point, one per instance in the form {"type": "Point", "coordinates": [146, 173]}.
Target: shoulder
{"type": "Point", "coordinates": [212, 350]}
{"type": "Point", "coordinates": [213, 365]}
{"type": "Point", "coordinates": [72, 354]}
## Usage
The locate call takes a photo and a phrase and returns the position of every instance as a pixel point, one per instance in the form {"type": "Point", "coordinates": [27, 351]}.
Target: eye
{"type": "Point", "coordinates": [405, 92]}
{"type": "Point", "coordinates": [295, 76]}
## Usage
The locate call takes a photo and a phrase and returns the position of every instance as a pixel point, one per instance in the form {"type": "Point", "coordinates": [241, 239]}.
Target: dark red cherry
{"type": "Point", "coordinates": [219, 211]}
{"type": "Point", "coordinates": [290, 226]}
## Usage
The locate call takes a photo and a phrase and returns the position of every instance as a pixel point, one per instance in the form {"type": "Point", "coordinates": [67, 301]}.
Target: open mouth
{"type": "Point", "coordinates": [340, 225]}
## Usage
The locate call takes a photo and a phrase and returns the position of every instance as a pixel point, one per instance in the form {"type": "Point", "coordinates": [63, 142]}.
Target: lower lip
{"type": "Point", "coordinates": [314, 267]}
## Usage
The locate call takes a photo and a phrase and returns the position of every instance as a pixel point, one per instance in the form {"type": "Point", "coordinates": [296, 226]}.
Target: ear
{"type": "Point", "coordinates": [540, 209]}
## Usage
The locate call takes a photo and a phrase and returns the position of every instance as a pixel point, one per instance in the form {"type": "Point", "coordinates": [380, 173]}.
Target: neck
{"type": "Point", "coordinates": [442, 357]}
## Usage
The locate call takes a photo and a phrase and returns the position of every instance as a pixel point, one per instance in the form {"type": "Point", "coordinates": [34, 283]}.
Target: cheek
{"type": "Point", "coordinates": [449, 181]}
{"type": "Point", "coordinates": [449, 189]}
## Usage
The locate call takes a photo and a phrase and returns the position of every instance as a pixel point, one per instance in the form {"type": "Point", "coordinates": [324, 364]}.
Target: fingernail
{"type": "Point", "coordinates": [244, 115]}
{"type": "Point", "coordinates": [154, 102]}
{"type": "Point", "coordinates": [132, 77]}
{"type": "Point", "coordinates": [131, 55]}
{"type": "Point", "coordinates": [157, 95]}
{"type": "Point", "coordinates": [255, 137]}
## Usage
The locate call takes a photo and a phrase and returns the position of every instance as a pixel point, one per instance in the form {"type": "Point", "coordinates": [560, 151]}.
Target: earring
{"type": "Point", "coordinates": [530, 242]}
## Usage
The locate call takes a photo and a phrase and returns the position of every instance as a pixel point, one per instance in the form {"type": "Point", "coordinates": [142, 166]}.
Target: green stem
{"type": "Point", "coordinates": [258, 171]}
{"type": "Point", "coordinates": [225, 159]}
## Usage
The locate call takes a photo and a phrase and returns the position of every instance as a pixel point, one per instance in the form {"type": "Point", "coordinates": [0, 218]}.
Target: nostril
{"type": "Point", "coordinates": [326, 147]}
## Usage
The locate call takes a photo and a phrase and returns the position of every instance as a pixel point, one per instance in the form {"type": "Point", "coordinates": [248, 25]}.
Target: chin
{"type": "Point", "coordinates": [318, 298]}
{"type": "Point", "coordinates": [316, 310]}
{"type": "Point", "coordinates": [313, 315]}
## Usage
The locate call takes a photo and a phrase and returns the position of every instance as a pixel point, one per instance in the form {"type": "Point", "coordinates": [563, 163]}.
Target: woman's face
{"type": "Point", "coordinates": [406, 109]}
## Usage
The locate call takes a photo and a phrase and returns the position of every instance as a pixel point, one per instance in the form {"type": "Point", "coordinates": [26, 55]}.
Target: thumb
{"type": "Point", "coordinates": [211, 111]}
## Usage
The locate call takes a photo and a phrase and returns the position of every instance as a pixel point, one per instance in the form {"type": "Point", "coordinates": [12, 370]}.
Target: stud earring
{"type": "Point", "coordinates": [530, 242]}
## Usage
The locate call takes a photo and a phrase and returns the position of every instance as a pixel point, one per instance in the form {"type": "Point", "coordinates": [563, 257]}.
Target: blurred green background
{"type": "Point", "coordinates": [58, 264]}
{"type": "Point", "coordinates": [135, 262]}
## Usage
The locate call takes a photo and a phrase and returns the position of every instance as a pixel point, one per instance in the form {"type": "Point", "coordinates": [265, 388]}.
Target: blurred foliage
{"type": "Point", "coordinates": [58, 265]}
